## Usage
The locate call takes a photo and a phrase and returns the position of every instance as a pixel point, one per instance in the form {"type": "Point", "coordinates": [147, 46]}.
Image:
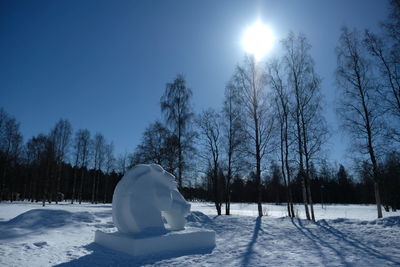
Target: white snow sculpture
{"type": "Point", "coordinates": [149, 213]}
{"type": "Point", "coordinates": [146, 195]}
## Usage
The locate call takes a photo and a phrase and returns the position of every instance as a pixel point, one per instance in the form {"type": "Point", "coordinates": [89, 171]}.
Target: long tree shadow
{"type": "Point", "coordinates": [314, 239]}
{"type": "Point", "coordinates": [250, 247]}
{"type": "Point", "coordinates": [355, 243]}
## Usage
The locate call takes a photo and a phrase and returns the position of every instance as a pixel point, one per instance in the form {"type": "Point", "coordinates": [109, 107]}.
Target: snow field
{"type": "Point", "coordinates": [331, 211]}
{"type": "Point", "coordinates": [344, 235]}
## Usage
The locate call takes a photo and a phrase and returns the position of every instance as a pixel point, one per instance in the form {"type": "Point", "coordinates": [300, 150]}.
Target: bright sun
{"type": "Point", "coordinates": [258, 40]}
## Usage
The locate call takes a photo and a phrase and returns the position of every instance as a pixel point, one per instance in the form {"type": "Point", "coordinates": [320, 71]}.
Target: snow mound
{"type": "Point", "coordinates": [38, 220]}
{"type": "Point", "coordinates": [198, 217]}
{"type": "Point", "coordinates": [393, 221]}
{"type": "Point", "coordinates": [345, 221]}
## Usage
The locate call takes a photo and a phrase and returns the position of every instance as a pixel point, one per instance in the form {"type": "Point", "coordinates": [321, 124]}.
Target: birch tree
{"type": "Point", "coordinates": [310, 127]}
{"type": "Point", "coordinates": [358, 105]}
{"type": "Point", "coordinates": [385, 51]}
{"type": "Point", "coordinates": [282, 109]}
{"type": "Point", "coordinates": [232, 128]}
{"type": "Point", "coordinates": [109, 167]}
{"type": "Point", "coordinates": [177, 110]}
{"type": "Point", "coordinates": [210, 139]}
{"type": "Point", "coordinates": [82, 149]}
{"type": "Point", "coordinates": [10, 147]}
{"type": "Point", "coordinates": [98, 161]}
{"type": "Point", "coordinates": [251, 80]}
{"type": "Point", "coordinates": [60, 136]}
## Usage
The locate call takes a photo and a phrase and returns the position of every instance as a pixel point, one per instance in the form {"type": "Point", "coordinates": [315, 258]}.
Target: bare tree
{"type": "Point", "coordinates": [210, 138]}
{"type": "Point", "coordinates": [282, 109]}
{"type": "Point", "coordinates": [98, 161]}
{"type": "Point", "coordinates": [176, 107]}
{"type": "Point", "coordinates": [60, 136]}
{"type": "Point", "coordinates": [34, 150]}
{"type": "Point", "coordinates": [82, 149]}
{"type": "Point", "coordinates": [385, 50]}
{"type": "Point", "coordinates": [171, 149]}
{"type": "Point", "coordinates": [389, 69]}
{"type": "Point", "coordinates": [10, 147]}
{"type": "Point", "coordinates": [233, 133]}
{"type": "Point", "coordinates": [392, 26]}
{"type": "Point", "coordinates": [77, 154]}
{"type": "Point", "coordinates": [251, 80]}
{"type": "Point", "coordinates": [158, 145]}
{"type": "Point", "coordinates": [109, 166]}
{"type": "Point", "coordinates": [122, 163]}
{"type": "Point", "coordinates": [310, 125]}
{"type": "Point", "coordinates": [359, 108]}
{"type": "Point", "coordinates": [41, 149]}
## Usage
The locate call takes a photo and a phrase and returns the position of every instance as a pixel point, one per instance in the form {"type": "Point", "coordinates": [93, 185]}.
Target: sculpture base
{"type": "Point", "coordinates": [187, 241]}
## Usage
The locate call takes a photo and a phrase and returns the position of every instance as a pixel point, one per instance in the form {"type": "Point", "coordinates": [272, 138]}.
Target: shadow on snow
{"type": "Point", "coordinates": [250, 247]}
{"type": "Point", "coordinates": [343, 244]}
{"type": "Point", "coordinates": [102, 256]}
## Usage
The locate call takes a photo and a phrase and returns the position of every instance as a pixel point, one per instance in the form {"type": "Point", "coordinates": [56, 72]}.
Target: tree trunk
{"type": "Point", "coordinates": [304, 190]}
{"type": "Point", "coordinates": [180, 158]}
{"type": "Point", "coordinates": [258, 161]}
{"type": "Point", "coordinates": [81, 186]}
{"type": "Point", "coordinates": [74, 187]}
{"type": "Point", "coordinates": [300, 148]}
{"type": "Point", "coordinates": [30, 190]}
{"type": "Point", "coordinates": [3, 180]}
{"type": "Point", "coordinates": [228, 193]}
{"type": "Point", "coordinates": [288, 167]}
{"type": "Point", "coordinates": [370, 147]}
{"type": "Point", "coordinates": [307, 176]}
{"type": "Point", "coordinates": [59, 171]}
{"type": "Point", "coordinates": [96, 196]}
{"type": "Point", "coordinates": [94, 187]}
{"type": "Point", "coordinates": [301, 171]}
{"type": "Point", "coordinates": [283, 170]}
{"type": "Point", "coordinates": [217, 198]}
{"type": "Point", "coordinates": [310, 198]}
{"type": "Point", "coordinates": [378, 199]}
{"type": "Point", "coordinates": [105, 189]}
{"type": "Point", "coordinates": [258, 179]}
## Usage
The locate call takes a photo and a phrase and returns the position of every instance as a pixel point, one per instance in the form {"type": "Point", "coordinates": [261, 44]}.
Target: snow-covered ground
{"type": "Point", "coordinates": [344, 235]}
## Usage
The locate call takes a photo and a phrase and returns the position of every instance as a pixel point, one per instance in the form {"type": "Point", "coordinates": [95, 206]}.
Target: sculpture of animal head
{"type": "Point", "coordinates": [146, 200]}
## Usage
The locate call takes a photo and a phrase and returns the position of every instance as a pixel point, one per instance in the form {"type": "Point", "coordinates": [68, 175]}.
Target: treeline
{"type": "Point", "coordinates": [328, 185]}
{"type": "Point", "coordinates": [58, 165]}
{"type": "Point", "coordinates": [41, 170]}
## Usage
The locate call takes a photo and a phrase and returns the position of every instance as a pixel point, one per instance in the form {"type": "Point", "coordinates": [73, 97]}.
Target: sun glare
{"type": "Point", "coordinates": [258, 40]}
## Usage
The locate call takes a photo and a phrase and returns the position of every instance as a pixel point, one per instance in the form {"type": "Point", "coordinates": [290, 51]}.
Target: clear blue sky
{"type": "Point", "coordinates": [103, 65]}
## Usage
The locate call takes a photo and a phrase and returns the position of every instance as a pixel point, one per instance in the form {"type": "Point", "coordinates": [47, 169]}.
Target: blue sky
{"type": "Point", "coordinates": [103, 65]}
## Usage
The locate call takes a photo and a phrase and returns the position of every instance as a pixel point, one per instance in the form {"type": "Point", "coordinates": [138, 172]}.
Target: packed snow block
{"type": "Point", "coordinates": [188, 241]}
{"type": "Point", "coordinates": [149, 213]}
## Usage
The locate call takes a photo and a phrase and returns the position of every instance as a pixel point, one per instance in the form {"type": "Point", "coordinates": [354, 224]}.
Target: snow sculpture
{"type": "Point", "coordinates": [149, 213]}
{"type": "Point", "coordinates": [146, 195]}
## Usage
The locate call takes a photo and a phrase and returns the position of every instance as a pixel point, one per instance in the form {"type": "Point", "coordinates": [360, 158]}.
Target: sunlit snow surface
{"type": "Point", "coordinates": [344, 235]}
